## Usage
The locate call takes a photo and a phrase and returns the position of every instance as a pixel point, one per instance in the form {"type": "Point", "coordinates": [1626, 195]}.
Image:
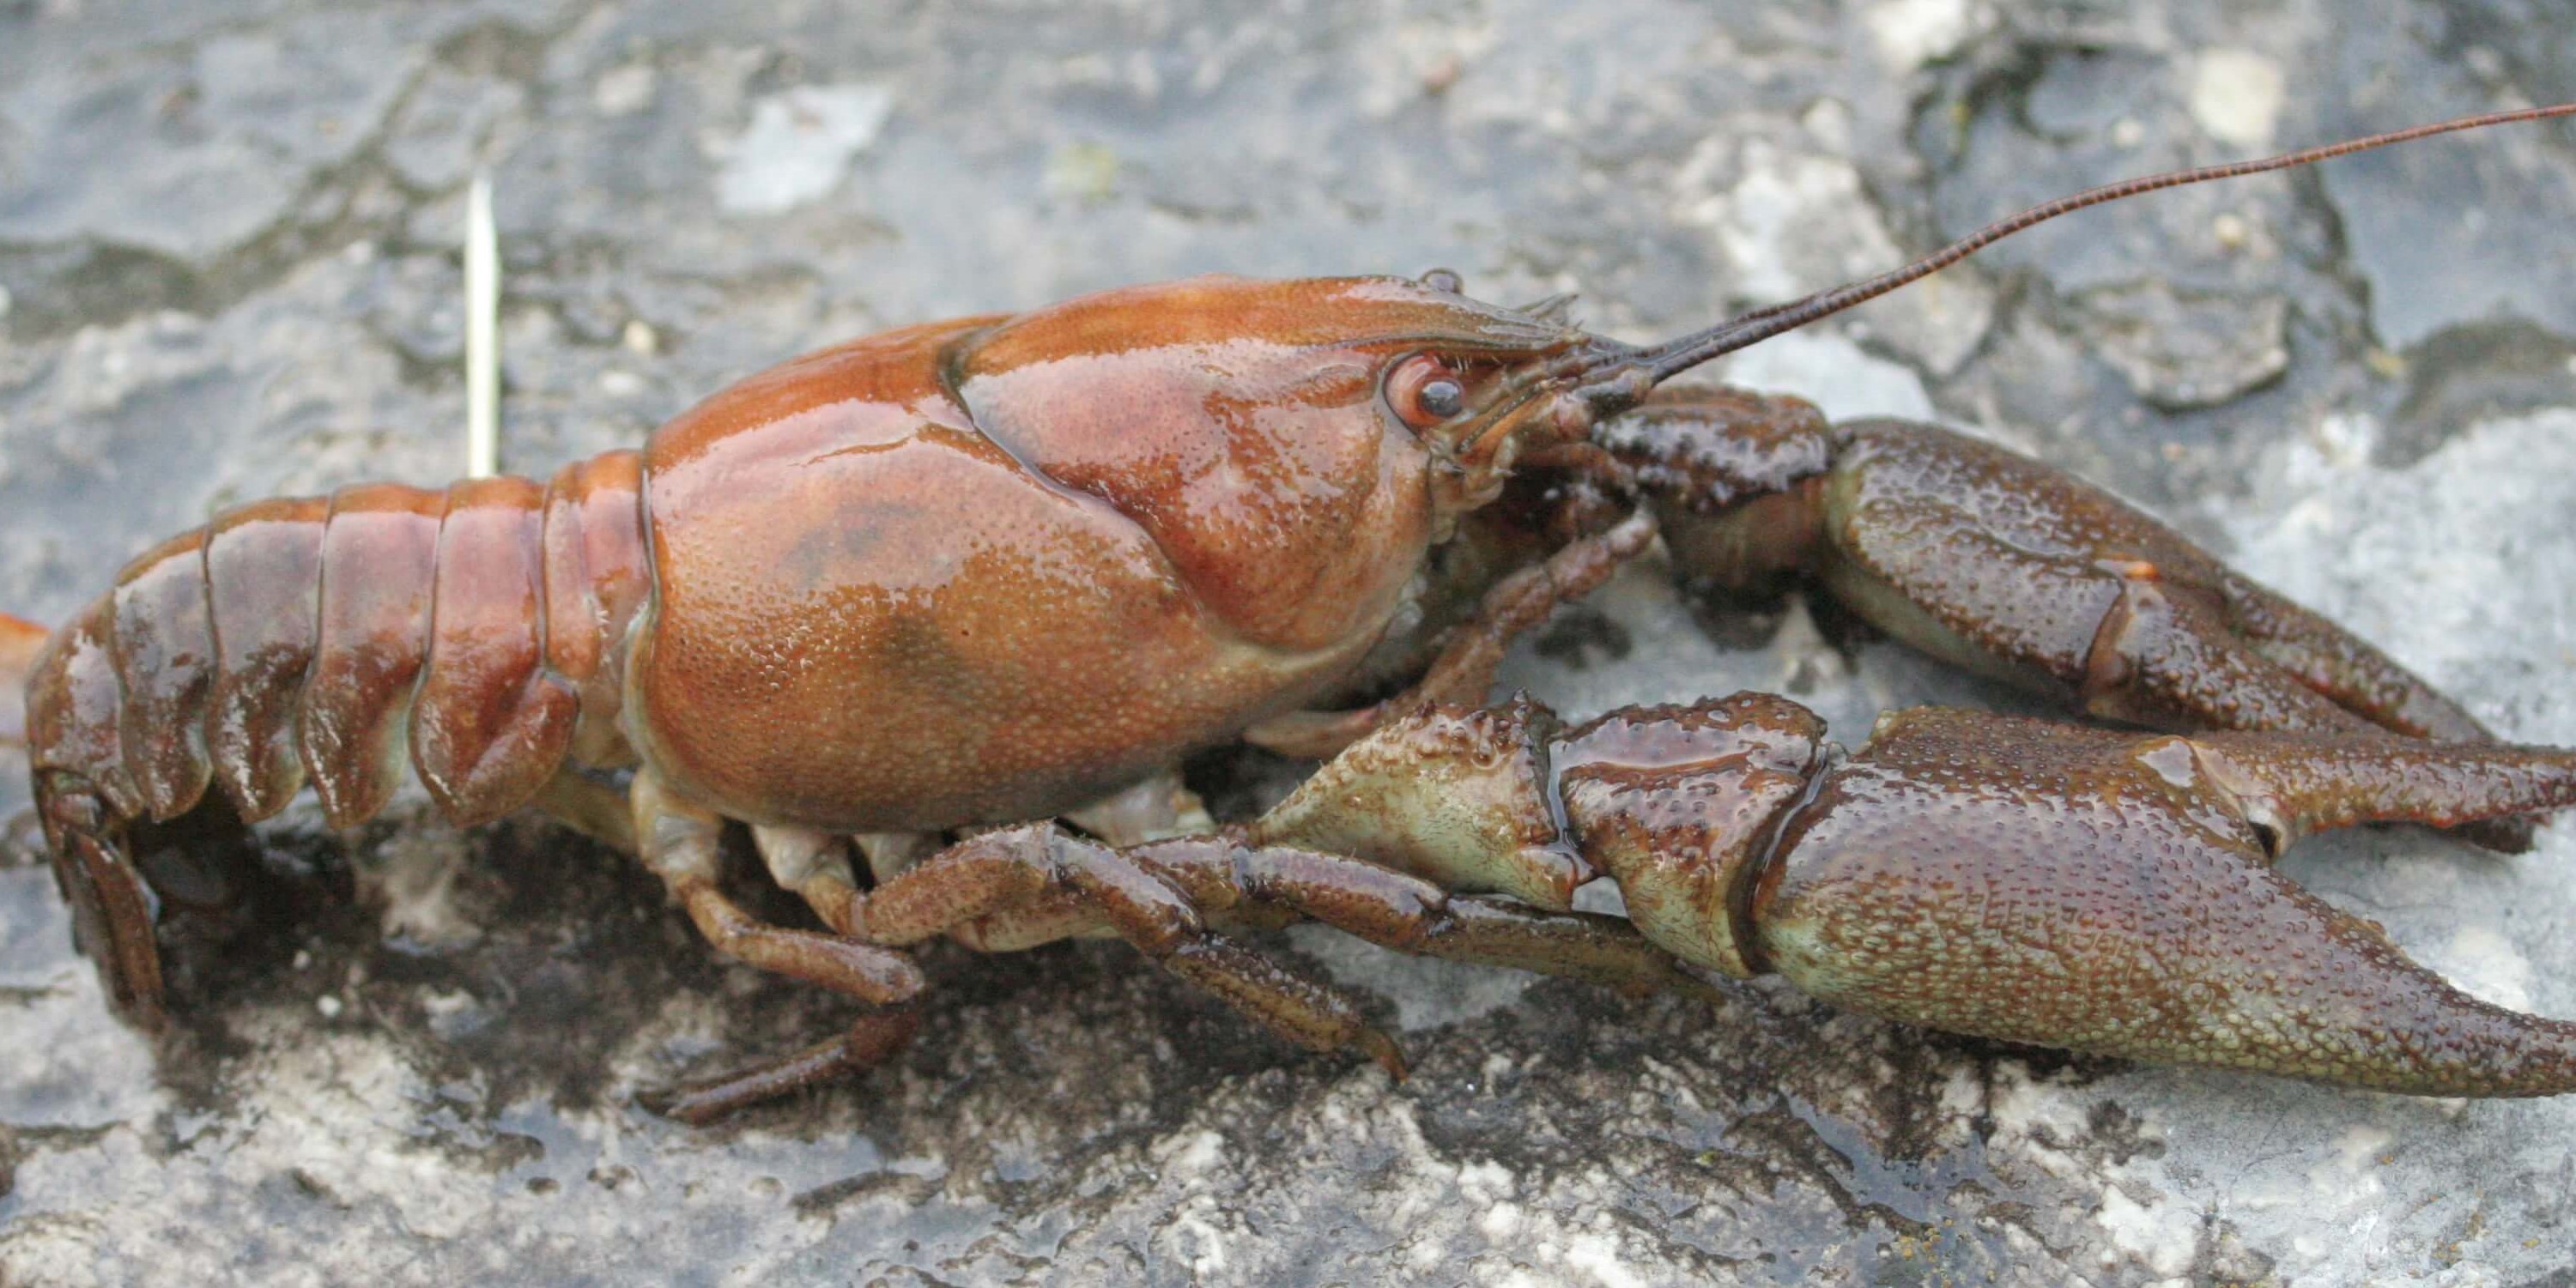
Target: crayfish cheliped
{"type": "Point", "coordinates": [955, 577]}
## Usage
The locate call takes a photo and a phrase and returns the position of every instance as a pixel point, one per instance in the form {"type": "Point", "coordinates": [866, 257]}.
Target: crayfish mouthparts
{"type": "Point", "coordinates": [1600, 398]}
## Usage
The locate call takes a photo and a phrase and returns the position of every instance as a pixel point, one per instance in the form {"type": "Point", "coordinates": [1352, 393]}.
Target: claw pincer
{"type": "Point", "coordinates": [2097, 890]}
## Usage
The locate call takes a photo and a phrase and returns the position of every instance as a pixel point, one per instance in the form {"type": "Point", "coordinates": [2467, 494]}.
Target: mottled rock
{"type": "Point", "coordinates": [226, 247]}
{"type": "Point", "coordinates": [2182, 352]}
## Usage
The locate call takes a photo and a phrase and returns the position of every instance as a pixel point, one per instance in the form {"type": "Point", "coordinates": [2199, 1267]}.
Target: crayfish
{"type": "Point", "coordinates": [890, 602]}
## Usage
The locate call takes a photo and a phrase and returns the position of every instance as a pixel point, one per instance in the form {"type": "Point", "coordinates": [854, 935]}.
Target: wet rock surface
{"type": "Point", "coordinates": [227, 249]}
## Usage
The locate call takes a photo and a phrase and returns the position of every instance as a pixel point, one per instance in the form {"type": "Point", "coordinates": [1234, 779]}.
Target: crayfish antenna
{"type": "Point", "coordinates": [1665, 360]}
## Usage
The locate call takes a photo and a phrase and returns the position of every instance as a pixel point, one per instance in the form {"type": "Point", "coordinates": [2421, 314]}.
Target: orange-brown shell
{"type": "Point", "coordinates": [973, 571]}
{"type": "Point", "coordinates": [992, 568]}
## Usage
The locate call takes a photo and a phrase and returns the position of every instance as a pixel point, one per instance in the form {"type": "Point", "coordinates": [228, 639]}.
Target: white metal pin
{"type": "Point", "coordinates": [482, 332]}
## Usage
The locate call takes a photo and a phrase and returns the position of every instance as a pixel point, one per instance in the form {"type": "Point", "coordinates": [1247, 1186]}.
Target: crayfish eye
{"type": "Point", "coordinates": [1444, 280]}
{"type": "Point", "coordinates": [1425, 392]}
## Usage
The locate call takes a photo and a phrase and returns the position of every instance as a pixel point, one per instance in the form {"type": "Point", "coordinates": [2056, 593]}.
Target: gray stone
{"type": "Point", "coordinates": [226, 243]}
{"type": "Point", "coordinates": [2182, 352]}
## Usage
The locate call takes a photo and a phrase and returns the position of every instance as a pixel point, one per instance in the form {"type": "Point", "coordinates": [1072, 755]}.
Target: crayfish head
{"type": "Point", "coordinates": [1480, 411]}
{"type": "Point", "coordinates": [1293, 448]}
{"type": "Point", "coordinates": [1496, 384]}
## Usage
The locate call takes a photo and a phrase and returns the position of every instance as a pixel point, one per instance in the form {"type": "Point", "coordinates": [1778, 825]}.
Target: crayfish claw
{"type": "Point", "coordinates": [2113, 893]}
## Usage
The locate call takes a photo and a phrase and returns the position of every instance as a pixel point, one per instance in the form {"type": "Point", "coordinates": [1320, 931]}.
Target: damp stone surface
{"type": "Point", "coordinates": [229, 268]}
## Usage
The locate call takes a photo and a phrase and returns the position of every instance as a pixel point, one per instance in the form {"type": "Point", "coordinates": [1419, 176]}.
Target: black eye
{"type": "Point", "coordinates": [1445, 280]}
{"type": "Point", "coordinates": [1443, 398]}
{"type": "Point", "coordinates": [1425, 391]}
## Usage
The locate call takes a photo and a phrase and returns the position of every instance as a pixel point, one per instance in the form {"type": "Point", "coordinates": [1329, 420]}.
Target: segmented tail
{"type": "Point", "coordinates": [468, 631]}
{"type": "Point", "coordinates": [471, 631]}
